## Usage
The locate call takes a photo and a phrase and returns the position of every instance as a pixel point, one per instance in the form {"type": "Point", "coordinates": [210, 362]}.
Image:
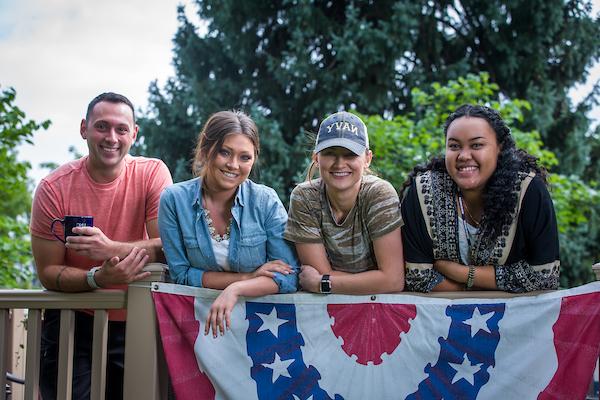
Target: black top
{"type": "Point", "coordinates": [525, 256]}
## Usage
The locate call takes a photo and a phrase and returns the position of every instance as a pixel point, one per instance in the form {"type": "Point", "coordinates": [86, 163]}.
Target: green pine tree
{"type": "Point", "coordinates": [291, 62]}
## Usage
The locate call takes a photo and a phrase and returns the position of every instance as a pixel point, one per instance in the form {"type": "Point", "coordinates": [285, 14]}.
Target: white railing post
{"type": "Point", "coordinates": [145, 369]}
{"type": "Point", "coordinates": [596, 269]}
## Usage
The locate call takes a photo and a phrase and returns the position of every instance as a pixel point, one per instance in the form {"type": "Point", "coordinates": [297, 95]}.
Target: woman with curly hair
{"type": "Point", "coordinates": [481, 216]}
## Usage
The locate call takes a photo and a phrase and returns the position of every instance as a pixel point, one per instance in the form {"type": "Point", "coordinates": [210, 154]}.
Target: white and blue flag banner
{"type": "Point", "coordinates": [401, 346]}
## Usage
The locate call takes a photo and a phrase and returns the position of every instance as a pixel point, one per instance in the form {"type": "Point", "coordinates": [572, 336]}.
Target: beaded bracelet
{"type": "Point", "coordinates": [470, 277]}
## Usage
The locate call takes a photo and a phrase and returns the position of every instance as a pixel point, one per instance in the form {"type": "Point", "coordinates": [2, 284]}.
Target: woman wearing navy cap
{"type": "Point", "coordinates": [346, 223]}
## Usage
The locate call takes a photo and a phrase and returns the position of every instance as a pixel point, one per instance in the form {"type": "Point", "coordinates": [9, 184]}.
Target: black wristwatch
{"type": "Point", "coordinates": [325, 286]}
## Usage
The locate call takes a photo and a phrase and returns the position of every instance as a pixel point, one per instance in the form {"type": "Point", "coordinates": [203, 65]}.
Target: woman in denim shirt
{"type": "Point", "coordinates": [223, 231]}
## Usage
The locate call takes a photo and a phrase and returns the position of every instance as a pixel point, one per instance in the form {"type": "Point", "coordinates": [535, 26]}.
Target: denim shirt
{"type": "Point", "coordinates": [256, 235]}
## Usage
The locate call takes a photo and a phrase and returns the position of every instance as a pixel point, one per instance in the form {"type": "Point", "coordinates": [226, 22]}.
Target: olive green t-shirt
{"type": "Point", "coordinates": [349, 244]}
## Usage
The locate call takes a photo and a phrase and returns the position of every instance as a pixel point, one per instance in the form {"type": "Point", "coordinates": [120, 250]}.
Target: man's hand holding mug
{"type": "Point", "coordinates": [91, 242]}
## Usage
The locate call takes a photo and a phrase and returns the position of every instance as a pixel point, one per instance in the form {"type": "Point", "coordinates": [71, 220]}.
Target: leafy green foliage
{"type": "Point", "coordinates": [289, 63]}
{"type": "Point", "coordinates": [405, 141]}
{"type": "Point", "coordinates": [410, 139]}
{"type": "Point", "coordinates": [15, 250]}
{"type": "Point", "coordinates": [292, 62]}
{"type": "Point", "coordinates": [15, 203]}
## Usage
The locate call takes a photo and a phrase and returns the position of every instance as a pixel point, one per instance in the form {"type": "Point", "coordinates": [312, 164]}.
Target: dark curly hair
{"type": "Point", "coordinates": [499, 197]}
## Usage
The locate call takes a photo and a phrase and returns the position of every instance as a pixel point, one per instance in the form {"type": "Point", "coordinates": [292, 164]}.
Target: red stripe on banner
{"type": "Point", "coordinates": [178, 331]}
{"type": "Point", "coordinates": [577, 343]}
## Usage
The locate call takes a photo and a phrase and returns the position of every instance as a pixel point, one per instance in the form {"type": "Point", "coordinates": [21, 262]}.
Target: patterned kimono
{"type": "Point", "coordinates": [525, 256]}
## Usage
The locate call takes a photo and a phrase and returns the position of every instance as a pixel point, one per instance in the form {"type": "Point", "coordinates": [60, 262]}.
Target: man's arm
{"type": "Point", "coordinates": [154, 247]}
{"type": "Point", "coordinates": [94, 244]}
{"type": "Point", "coordinates": [49, 256]}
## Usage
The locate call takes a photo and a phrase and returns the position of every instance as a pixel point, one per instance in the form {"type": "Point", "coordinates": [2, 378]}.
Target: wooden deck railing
{"type": "Point", "coordinates": [145, 370]}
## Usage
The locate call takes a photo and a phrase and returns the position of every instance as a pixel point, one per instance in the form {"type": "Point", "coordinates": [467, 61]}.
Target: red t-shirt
{"type": "Point", "coordinates": [120, 208]}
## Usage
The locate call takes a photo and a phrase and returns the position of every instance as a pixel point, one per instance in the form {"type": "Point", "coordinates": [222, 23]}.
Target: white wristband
{"type": "Point", "coordinates": [91, 281]}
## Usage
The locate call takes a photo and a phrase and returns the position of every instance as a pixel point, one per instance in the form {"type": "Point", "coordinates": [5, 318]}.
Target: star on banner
{"type": "Point", "coordinates": [465, 370]}
{"type": "Point", "coordinates": [271, 322]}
{"type": "Point", "coordinates": [279, 367]}
{"type": "Point", "coordinates": [478, 322]}
{"type": "Point", "coordinates": [298, 398]}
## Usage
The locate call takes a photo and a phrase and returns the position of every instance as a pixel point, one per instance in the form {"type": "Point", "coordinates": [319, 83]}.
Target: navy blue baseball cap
{"type": "Point", "coordinates": [343, 129]}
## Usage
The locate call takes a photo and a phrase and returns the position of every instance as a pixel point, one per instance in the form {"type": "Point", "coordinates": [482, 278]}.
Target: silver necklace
{"type": "Point", "coordinates": [213, 231]}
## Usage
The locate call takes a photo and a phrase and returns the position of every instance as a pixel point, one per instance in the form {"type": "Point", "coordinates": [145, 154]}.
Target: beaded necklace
{"type": "Point", "coordinates": [213, 231]}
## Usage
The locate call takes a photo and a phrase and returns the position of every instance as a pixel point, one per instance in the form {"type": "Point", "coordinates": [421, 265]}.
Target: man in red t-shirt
{"type": "Point", "coordinates": [122, 194]}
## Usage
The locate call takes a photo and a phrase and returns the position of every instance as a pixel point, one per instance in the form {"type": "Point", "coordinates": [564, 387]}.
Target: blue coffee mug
{"type": "Point", "coordinates": [69, 222]}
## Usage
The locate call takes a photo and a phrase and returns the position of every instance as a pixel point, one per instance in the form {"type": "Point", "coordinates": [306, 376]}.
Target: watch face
{"type": "Point", "coordinates": [325, 284]}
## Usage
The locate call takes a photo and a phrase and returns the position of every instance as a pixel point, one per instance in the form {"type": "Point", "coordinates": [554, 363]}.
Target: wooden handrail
{"type": "Point", "coordinates": [103, 299]}
{"type": "Point", "coordinates": [37, 300]}
{"type": "Point", "coordinates": [98, 300]}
